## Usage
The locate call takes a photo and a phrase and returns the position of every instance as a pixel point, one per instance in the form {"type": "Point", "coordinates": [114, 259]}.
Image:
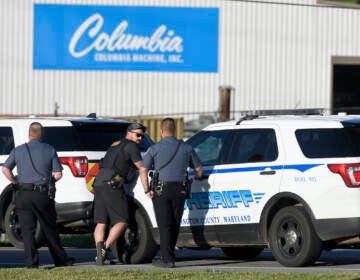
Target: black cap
{"type": "Point", "coordinates": [135, 126]}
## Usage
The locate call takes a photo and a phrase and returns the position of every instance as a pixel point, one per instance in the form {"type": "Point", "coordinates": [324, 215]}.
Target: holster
{"type": "Point", "coordinates": [52, 188]}
{"type": "Point", "coordinates": [15, 189]}
{"type": "Point", "coordinates": [154, 182]}
{"type": "Point", "coordinates": [187, 185]}
{"type": "Point", "coordinates": [115, 182]}
{"type": "Point", "coordinates": [158, 189]}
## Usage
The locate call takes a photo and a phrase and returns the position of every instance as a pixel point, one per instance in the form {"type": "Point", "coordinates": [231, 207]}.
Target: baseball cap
{"type": "Point", "coordinates": [135, 126]}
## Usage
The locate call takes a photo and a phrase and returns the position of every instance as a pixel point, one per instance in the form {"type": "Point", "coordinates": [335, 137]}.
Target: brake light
{"type": "Point", "coordinates": [350, 173]}
{"type": "Point", "coordinates": [78, 165]}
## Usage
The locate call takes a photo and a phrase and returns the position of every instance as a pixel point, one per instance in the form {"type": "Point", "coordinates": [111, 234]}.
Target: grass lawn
{"type": "Point", "coordinates": [89, 274]}
{"type": "Point", "coordinates": [78, 240]}
{"type": "Point", "coordinates": [67, 240]}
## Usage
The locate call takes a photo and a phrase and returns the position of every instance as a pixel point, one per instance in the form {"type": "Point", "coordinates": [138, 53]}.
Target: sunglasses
{"type": "Point", "coordinates": [138, 134]}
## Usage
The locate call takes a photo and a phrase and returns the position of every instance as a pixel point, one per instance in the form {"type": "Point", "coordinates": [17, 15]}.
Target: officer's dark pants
{"type": "Point", "coordinates": [169, 208]}
{"type": "Point", "coordinates": [32, 206]}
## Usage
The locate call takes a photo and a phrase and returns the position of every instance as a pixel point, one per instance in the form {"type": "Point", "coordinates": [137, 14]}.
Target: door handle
{"type": "Point", "coordinates": [268, 172]}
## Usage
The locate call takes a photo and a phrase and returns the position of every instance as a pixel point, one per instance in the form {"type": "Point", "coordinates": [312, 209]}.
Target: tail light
{"type": "Point", "coordinates": [350, 173]}
{"type": "Point", "coordinates": [78, 165]}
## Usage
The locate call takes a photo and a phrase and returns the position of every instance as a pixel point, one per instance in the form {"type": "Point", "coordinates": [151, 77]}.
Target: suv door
{"type": "Point", "coordinates": [248, 177]}
{"type": "Point", "coordinates": [198, 214]}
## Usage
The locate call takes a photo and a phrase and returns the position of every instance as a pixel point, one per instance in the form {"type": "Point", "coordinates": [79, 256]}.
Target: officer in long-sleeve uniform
{"type": "Point", "coordinates": [169, 205]}
{"type": "Point", "coordinates": [36, 163]}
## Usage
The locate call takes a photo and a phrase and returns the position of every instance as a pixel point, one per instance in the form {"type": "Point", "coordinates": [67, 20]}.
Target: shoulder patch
{"type": "Point", "coordinates": [116, 143]}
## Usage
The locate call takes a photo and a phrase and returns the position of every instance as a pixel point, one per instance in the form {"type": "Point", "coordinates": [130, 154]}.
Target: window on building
{"type": "Point", "coordinates": [346, 85]}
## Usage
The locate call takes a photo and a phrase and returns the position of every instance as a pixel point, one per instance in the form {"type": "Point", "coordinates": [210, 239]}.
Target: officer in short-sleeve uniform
{"type": "Point", "coordinates": [169, 206]}
{"type": "Point", "coordinates": [32, 200]}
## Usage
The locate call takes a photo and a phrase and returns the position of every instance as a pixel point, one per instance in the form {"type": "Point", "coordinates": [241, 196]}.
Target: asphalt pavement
{"type": "Point", "coordinates": [195, 260]}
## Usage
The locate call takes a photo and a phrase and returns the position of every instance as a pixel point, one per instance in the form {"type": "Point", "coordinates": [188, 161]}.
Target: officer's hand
{"type": "Point", "coordinates": [150, 194]}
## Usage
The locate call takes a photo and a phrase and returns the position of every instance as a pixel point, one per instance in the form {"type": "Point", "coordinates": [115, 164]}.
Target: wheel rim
{"type": "Point", "coordinates": [290, 237]}
{"type": "Point", "coordinates": [15, 225]}
{"type": "Point", "coordinates": [131, 237]}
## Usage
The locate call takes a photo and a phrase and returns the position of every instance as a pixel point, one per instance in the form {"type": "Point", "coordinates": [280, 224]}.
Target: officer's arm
{"type": "Point", "coordinates": [144, 179]}
{"type": "Point", "coordinates": [9, 175]}
{"type": "Point", "coordinates": [138, 164]}
{"type": "Point", "coordinates": [195, 161]}
{"type": "Point", "coordinates": [147, 162]}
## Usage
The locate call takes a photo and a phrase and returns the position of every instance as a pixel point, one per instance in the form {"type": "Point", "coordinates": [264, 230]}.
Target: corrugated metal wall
{"type": "Point", "coordinates": [283, 52]}
{"type": "Point", "coordinates": [274, 55]}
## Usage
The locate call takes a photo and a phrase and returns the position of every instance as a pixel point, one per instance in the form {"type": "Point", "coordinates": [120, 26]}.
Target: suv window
{"type": "Point", "coordinates": [6, 140]}
{"type": "Point", "coordinates": [99, 137]}
{"type": "Point", "coordinates": [208, 145]}
{"type": "Point", "coordinates": [62, 138]}
{"type": "Point", "coordinates": [88, 137]}
{"type": "Point", "coordinates": [253, 145]}
{"type": "Point", "coordinates": [329, 142]}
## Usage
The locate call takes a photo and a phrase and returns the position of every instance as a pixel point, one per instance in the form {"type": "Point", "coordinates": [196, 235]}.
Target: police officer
{"type": "Point", "coordinates": [171, 158]}
{"type": "Point", "coordinates": [118, 166]}
{"type": "Point", "coordinates": [36, 163]}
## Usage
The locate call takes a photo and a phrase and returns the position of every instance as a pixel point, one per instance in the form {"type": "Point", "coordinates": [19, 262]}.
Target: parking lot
{"type": "Point", "coordinates": [198, 260]}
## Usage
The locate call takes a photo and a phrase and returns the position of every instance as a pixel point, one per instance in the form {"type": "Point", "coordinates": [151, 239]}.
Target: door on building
{"type": "Point", "coordinates": [346, 85]}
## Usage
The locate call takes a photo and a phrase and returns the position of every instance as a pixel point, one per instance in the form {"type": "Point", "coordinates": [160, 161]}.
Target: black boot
{"type": "Point", "coordinates": [100, 253]}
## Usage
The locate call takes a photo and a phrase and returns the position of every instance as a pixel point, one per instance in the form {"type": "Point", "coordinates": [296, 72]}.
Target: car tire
{"type": "Point", "coordinates": [13, 229]}
{"type": "Point", "coordinates": [292, 238]}
{"type": "Point", "coordinates": [242, 253]}
{"type": "Point", "coordinates": [137, 245]}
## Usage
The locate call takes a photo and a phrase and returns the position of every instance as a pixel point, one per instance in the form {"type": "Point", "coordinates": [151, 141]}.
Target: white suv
{"type": "Point", "coordinates": [291, 183]}
{"type": "Point", "coordinates": [80, 143]}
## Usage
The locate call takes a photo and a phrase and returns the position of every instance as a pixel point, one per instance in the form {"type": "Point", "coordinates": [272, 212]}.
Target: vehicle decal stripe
{"type": "Point", "coordinates": [93, 168]}
{"type": "Point", "coordinates": [299, 167]}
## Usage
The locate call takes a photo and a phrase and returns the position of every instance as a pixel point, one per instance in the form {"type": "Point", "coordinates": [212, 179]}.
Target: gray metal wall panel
{"type": "Point", "coordinates": [275, 55]}
{"type": "Point", "coordinates": [283, 52]}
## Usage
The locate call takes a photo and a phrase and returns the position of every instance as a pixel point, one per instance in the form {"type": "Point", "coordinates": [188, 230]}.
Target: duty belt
{"type": "Point", "coordinates": [34, 187]}
{"type": "Point", "coordinates": [165, 184]}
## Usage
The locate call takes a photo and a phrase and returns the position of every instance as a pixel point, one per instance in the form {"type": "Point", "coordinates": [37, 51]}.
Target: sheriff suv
{"type": "Point", "coordinates": [80, 143]}
{"type": "Point", "coordinates": [291, 183]}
